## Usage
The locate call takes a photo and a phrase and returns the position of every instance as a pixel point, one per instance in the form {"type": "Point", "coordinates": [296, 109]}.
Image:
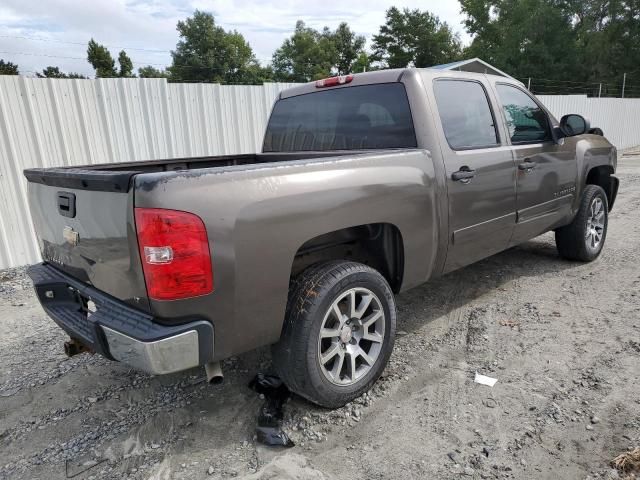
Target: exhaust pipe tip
{"type": "Point", "coordinates": [214, 373]}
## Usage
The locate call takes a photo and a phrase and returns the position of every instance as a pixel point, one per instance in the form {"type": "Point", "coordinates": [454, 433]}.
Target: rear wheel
{"type": "Point", "coordinates": [583, 239]}
{"type": "Point", "coordinates": [339, 332]}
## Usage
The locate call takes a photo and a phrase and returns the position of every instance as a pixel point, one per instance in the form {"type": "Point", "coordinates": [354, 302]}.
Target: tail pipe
{"type": "Point", "coordinates": [214, 373]}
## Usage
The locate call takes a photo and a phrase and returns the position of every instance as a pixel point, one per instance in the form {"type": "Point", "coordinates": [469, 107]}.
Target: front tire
{"type": "Point", "coordinates": [583, 239]}
{"type": "Point", "coordinates": [338, 334]}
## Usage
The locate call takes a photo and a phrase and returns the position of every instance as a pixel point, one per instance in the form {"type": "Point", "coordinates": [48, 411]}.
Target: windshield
{"type": "Point", "coordinates": [352, 118]}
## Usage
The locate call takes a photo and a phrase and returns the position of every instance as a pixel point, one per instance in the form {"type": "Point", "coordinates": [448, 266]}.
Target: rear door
{"type": "Point", "coordinates": [85, 228]}
{"type": "Point", "coordinates": [480, 172]}
{"type": "Point", "coordinates": [546, 170]}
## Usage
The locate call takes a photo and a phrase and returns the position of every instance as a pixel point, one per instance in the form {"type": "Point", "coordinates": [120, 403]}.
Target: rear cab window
{"type": "Point", "coordinates": [465, 114]}
{"type": "Point", "coordinates": [374, 116]}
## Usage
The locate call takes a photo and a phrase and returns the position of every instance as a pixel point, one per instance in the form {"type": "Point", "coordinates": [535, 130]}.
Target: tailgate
{"type": "Point", "coordinates": [84, 225]}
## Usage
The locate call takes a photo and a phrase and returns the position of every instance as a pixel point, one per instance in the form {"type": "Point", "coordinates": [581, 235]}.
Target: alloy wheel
{"type": "Point", "coordinates": [595, 224]}
{"type": "Point", "coordinates": [351, 336]}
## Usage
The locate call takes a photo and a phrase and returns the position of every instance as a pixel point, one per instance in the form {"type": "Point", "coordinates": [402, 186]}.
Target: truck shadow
{"type": "Point", "coordinates": [423, 304]}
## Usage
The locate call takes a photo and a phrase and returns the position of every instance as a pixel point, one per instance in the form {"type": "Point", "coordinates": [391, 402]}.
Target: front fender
{"type": "Point", "coordinates": [592, 151]}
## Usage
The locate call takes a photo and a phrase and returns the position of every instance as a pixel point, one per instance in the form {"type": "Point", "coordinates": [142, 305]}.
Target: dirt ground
{"type": "Point", "coordinates": [562, 338]}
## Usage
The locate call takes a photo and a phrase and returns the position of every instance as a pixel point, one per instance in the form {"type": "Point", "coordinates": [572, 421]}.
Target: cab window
{"type": "Point", "coordinates": [526, 121]}
{"type": "Point", "coordinates": [465, 114]}
{"type": "Point", "coordinates": [351, 118]}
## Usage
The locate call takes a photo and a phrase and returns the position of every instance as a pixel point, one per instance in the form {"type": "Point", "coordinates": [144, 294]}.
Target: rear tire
{"type": "Point", "coordinates": [338, 334]}
{"type": "Point", "coordinates": [583, 239]}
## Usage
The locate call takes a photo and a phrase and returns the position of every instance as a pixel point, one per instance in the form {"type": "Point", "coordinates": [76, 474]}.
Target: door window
{"type": "Point", "coordinates": [526, 121]}
{"type": "Point", "coordinates": [465, 114]}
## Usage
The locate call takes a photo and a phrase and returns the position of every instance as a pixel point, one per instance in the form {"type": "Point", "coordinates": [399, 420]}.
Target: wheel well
{"type": "Point", "coordinates": [378, 245]}
{"type": "Point", "coordinates": [602, 176]}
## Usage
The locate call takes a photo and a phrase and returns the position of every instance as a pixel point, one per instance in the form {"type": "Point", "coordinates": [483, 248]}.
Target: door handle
{"type": "Point", "coordinates": [464, 174]}
{"type": "Point", "coordinates": [527, 165]}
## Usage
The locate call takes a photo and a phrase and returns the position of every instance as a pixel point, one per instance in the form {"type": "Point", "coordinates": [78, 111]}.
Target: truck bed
{"type": "Point", "coordinates": [116, 177]}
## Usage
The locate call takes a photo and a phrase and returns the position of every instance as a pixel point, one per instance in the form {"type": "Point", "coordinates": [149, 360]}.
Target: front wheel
{"type": "Point", "coordinates": [584, 238]}
{"type": "Point", "coordinates": [338, 334]}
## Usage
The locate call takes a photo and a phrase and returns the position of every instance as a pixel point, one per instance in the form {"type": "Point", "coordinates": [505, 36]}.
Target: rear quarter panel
{"type": "Point", "coordinates": [258, 217]}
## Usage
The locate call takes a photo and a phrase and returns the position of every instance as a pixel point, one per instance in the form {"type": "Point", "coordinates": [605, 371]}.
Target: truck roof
{"type": "Point", "coordinates": [394, 75]}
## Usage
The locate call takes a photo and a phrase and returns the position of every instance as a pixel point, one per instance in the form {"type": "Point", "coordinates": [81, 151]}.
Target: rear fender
{"type": "Point", "coordinates": [258, 217]}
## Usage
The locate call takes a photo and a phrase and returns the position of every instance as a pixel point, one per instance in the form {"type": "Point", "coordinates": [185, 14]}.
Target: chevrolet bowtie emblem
{"type": "Point", "coordinates": [71, 236]}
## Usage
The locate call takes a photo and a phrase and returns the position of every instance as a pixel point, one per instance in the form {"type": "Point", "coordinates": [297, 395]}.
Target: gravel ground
{"type": "Point", "coordinates": [562, 338]}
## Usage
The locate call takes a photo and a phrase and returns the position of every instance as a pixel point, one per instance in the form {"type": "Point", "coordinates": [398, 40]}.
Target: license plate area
{"type": "Point", "coordinates": [85, 305]}
{"type": "Point", "coordinates": [63, 294]}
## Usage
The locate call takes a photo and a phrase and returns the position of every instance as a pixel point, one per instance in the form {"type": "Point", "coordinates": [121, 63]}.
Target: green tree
{"type": "Point", "coordinates": [524, 37]}
{"type": "Point", "coordinates": [152, 72]}
{"type": "Point", "coordinates": [348, 46]}
{"type": "Point", "coordinates": [208, 53]}
{"type": "Point", "coordinates": [362, 63]}
{"type": "Point", "coordinates": [608, 43]}
{"type": "Point", "coordinates": [101, 60]}
{"type": "Point", "coordinates": [565, 46]}
{"type": "Point", "coordinates": [300, 57]}
{"type": "Point", "coordinates": [8, 68]}
{"type": "Point", "coordinates": [256, 74]}
{"type": "Point", "coordinates": [103, 63]}
{"type": "Point", "coordinates": [126, 65]}
{"type": "Point", "coordinates": [414, 38]}
{"type": "Point", "coordinates": [55, 72]}
{"type": "Point", "coordinates": [310, 54]}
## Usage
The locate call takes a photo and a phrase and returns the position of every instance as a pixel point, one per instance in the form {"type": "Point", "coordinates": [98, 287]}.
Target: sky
{"type": "Point", "coordinates": [38, 33]}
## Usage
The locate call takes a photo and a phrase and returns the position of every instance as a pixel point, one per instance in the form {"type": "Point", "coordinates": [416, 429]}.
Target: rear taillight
{"type": "Point", "coordinates": [174, 250]}
{"type": "Point", "coordinates": [333, 81]}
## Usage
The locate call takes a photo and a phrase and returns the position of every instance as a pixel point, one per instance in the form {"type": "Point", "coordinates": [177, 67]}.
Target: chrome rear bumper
{"type": "Point", "coordinates": [118, 331]}
{"type": "Point", "coordinates": [168, 355]}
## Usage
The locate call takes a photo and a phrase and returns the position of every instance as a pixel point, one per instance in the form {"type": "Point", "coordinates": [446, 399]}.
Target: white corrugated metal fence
{"type": "Point", "coordinates": [619, 118]}
{"type": "Point", "coordinates": [57, 122]}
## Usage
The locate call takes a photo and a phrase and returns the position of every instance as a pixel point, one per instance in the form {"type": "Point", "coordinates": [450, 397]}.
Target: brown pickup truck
{"type": "Point", "coordinates": [367, 185]}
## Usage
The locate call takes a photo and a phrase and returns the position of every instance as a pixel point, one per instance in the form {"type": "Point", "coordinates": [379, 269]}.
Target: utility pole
{"type": "Point", "coordinates": [529, 84]}
{"type": "Point", "coordinates": [624, 83]}
{"type": "Point", "coordinates": [600, 91]}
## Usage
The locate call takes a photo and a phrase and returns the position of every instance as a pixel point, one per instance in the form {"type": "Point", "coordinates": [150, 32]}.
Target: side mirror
{"type": "Point", "coordinates": [573, 124]}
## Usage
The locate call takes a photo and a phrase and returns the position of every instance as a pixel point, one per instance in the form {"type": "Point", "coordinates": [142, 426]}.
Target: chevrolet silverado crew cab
{"type": "Point", "coordinates": [367, 185]}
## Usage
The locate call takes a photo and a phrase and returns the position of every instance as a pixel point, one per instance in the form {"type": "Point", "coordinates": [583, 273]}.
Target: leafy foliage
{"type": "Point", "coordinates": [152, 72]}
{"type": "Point", "coordinates": [363, 63]}
{"type": "Point", "coordinates": [348, 48]}
{"type": "Point", "coordinates": [310, 54]}
{"type": "Point", "coordinates": [567, 41]}
{"type": "Point", "coordinates": [54, 72]}
{"type": "Point", "coordinates": [607, 34]}
{"type": "Point", "coordinates": [208, 53]}
{"type": "Point", "coordinates": [126, 65]}
{"type": "Point", "coordinates": [304, 56]}
{"type": "Point", "coordinates": [414, 38]}
{"type": "Point", "coordinates": [8, 68]}
{"type": "Point", "coordinates": [101, 60]}
{"type": "Point", "coordinates": [521, 36]}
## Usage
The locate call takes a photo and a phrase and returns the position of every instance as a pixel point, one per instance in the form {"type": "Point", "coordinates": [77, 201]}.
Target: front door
{"type": "Point", "coordinates": [546, 171]}
{"type": "Point", "coordinates": [480, 173]}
